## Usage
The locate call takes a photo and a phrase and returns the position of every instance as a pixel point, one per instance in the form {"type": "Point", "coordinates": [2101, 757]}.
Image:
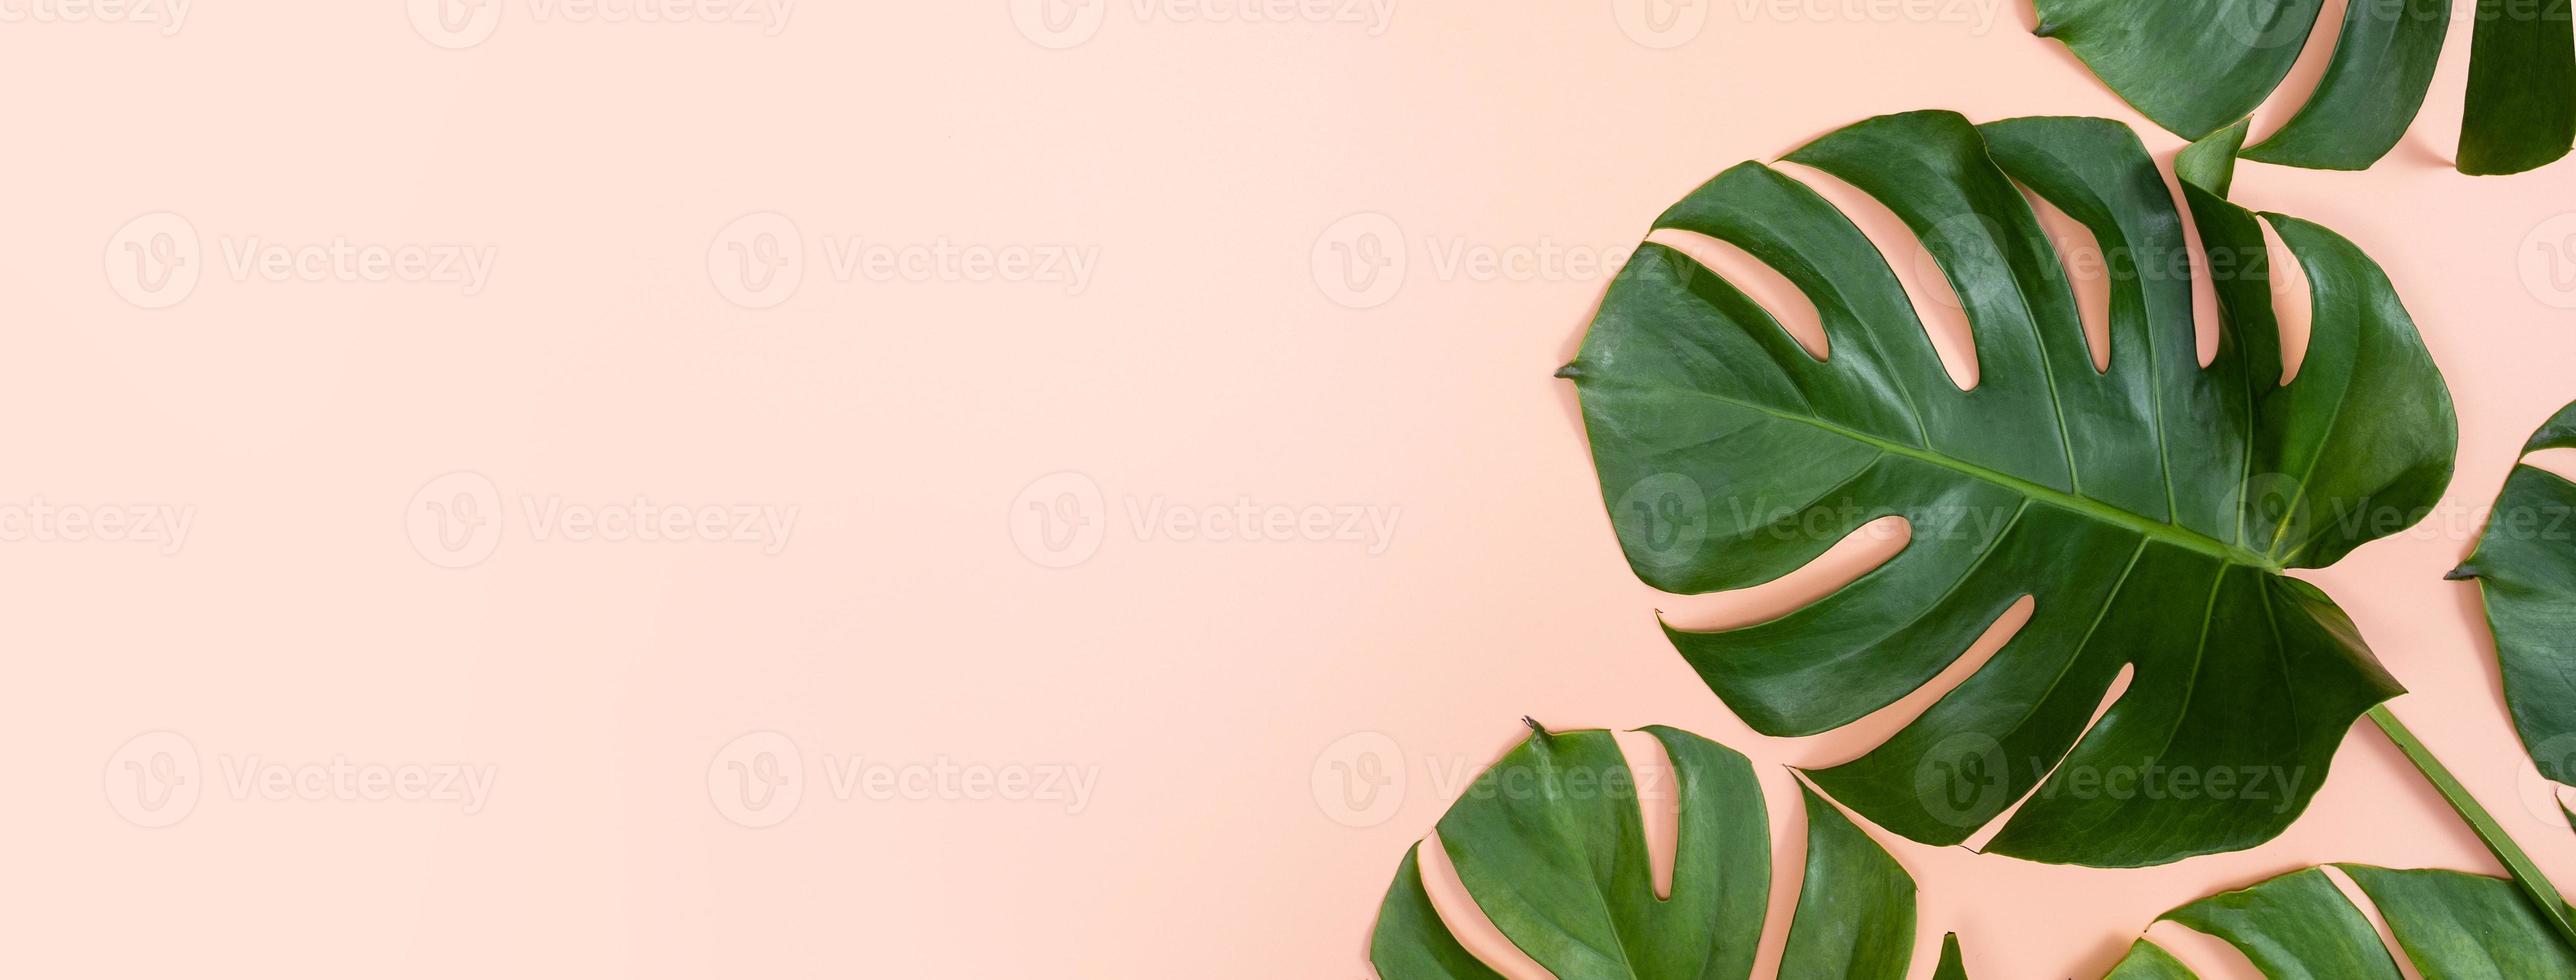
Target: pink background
{"type": "Point", "coordinates": [759, 754]}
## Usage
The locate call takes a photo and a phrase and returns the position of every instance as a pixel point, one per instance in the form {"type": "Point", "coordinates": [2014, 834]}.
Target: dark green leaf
{"type": "Point", "coordinates": [2525, 567]}
{"type": "Point", "coordinates": [2294, 927]}
{"type": "Point", "coordinates": [2195, 66]}
{"type": "Point", "coordinates": [2521, 111]}
{"type": "Point", "coordinates": [1856, 916]}
{"type": "Point", "coordinates": [2190, 65]}
{"type": "Point", "coordinates": [2148, 961]}
{"type": "Point", "coordinates": [2150, 510]}
{"type": "Point", "coordinates": [2211, 163]}
{"type": "Point", "coordinates": [2300, 926]}
{"type": "Point", "coordinates": [1953, 966]}
{"type": "Point", "coordinates": [1550, 844]}
{"type": "Point", "coordinates": [2463, 925]}
{"type": "Point", "coordinates": [2383, 65]}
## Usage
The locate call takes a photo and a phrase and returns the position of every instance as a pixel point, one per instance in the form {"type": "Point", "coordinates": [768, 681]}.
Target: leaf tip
{"type": "Point", "coordinates": [2465, 573]}
{"type": "Point", "coordinates": [1570, 372]}
{"type": "Point", "coordinates": [2046, 29]}
{"type": "Point", "coordinates": [1536, 728]}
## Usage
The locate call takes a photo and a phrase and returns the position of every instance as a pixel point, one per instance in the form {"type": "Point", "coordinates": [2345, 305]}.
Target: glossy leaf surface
{"type": "Point", "coordinates": [1551, 846]}
{"type": "Point", "coordinates": [2448, 925]}
{"type": "Point", "coordinates": [2195, 66]}
{"type": "Point", "coordinates": [2525, 567]}
{"type": "Point", "coordinates": [2148, 510]}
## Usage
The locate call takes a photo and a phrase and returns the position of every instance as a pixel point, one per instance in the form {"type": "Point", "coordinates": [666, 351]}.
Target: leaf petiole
{"type": "Point", "coordinates": [2526, 874]}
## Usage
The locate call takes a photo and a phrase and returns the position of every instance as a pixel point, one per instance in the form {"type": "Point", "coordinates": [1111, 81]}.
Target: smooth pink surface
{"type": "Point", "coordinates": [759, 755]}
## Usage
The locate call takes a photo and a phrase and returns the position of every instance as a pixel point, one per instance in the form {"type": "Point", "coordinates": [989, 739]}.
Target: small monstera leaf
{"type": "Point", "coordinates": [2150, 510]}
{"type": "Point", "coordinates": [2299, 925]}
{"type": "Point", "coordinates": [2525, 567]}
{"type": "Point", "coordinates": [2196, 66]}
{"type": "Point", "coordinates": [1550, 844]}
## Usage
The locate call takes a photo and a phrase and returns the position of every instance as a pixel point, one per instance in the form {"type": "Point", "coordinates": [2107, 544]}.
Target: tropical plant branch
{"type": "Point", "coordinates": [2526, 874]}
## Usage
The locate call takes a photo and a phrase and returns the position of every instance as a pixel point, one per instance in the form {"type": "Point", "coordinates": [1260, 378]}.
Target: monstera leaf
{"type": "Point", "coordinates": [2195, 66]}
{"type": "Point", "coordinates": [1550, 844]}
{"type": "Point", "coordinates": [2525, 567]}
{"type": "Point", "coordinates": [2299, 925]}
{"type": "Point", "coordinates": [2150, 510]}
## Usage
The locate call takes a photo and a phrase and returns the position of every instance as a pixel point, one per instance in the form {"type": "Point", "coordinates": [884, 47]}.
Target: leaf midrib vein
{"type": "Point", "coordinates": [2164, 531]}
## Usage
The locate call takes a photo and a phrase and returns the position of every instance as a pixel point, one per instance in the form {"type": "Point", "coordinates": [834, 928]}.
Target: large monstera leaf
{"type": "Point", "coordinates": [2149, 510]}
{"type": "Point", "coordinates": [2196, 66]}
{"type": "Point", "coordinates": [2299, 925]}
{"type": "Point", "coordinates": [1550, 844]}
{"type": "Point", "coordinates": [2525, 567]}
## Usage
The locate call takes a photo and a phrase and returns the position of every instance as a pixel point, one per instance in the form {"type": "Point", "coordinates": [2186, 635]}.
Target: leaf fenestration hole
{"type": "Point", "coordinates": [1787, 304]}
{"type": "Point", "coordinates": [1857, 554]}
{"type": "Point", "coordinates": [1944, 318]}
{"type": "Point", "coordinates": [2110, 696]}
{"type": "Point", "coordinates": [2370, 910]}
{"type": "Point", "coordinates": [2292, 303]}
{"type": "Point", "coordinates": [1658, 803]}
{"type": "Point", "coordinates": [2557, 462]}
{"type": "Point", "coordinates": [2294, 92]}
{"type": "Point", "coordinates": [2088, 274]}
{"type": "Point", "coordinates": [1876, 728]}
{"type": "Point", "coordinates": [2204, 293]}
{"type": "Point", "coordinates": [2206, 955]}
{"type": "Point", "coordinates": [1467, 921]}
